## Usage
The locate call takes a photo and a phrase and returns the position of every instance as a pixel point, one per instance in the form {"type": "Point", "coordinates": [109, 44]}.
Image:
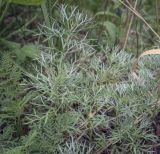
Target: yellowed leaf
{"type": "Point", "coordinates": [148, 52]}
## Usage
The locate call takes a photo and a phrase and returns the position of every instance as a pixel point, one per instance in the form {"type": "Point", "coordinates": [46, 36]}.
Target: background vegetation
{"type": "Point", "coordinates": [66, 85]}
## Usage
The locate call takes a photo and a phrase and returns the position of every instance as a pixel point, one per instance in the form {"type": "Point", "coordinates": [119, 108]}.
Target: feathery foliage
{"type": "Point", "coordinates": [81, 97]}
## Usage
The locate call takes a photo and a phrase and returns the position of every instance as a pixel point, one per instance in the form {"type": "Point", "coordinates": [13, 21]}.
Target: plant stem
{"type": "Point", "coordinates": [4, 11]}
{"type": "Point", "coordinates": [140, 17]}
{"type": "Point", "coordinates": [129, 27]}
{"type": "Point", "coordinates": [47, 20]}
{"type": "Point", "coordinates": [157, 15]}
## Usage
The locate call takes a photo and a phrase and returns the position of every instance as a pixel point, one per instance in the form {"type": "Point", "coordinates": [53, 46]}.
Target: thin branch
{"type": "Point", "coordinates": [140, 17]}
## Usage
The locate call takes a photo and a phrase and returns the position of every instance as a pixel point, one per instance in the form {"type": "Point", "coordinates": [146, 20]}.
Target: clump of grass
{"type": "Point", "coordinates": [84, 100]}
{"type": "Point", "coordinates": [90, 95]}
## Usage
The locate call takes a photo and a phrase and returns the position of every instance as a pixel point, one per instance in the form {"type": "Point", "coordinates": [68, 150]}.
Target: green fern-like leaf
{"type": "Point", "coordinates": [10, 89]}
{"type": "Point", "coordinates": [10, 76]}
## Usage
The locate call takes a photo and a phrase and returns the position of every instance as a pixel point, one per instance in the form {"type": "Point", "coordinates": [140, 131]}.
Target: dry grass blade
{"type": "Point", "coordinates": [149, 52]}
{"type": "Point", "coordinates": [140, 17]}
